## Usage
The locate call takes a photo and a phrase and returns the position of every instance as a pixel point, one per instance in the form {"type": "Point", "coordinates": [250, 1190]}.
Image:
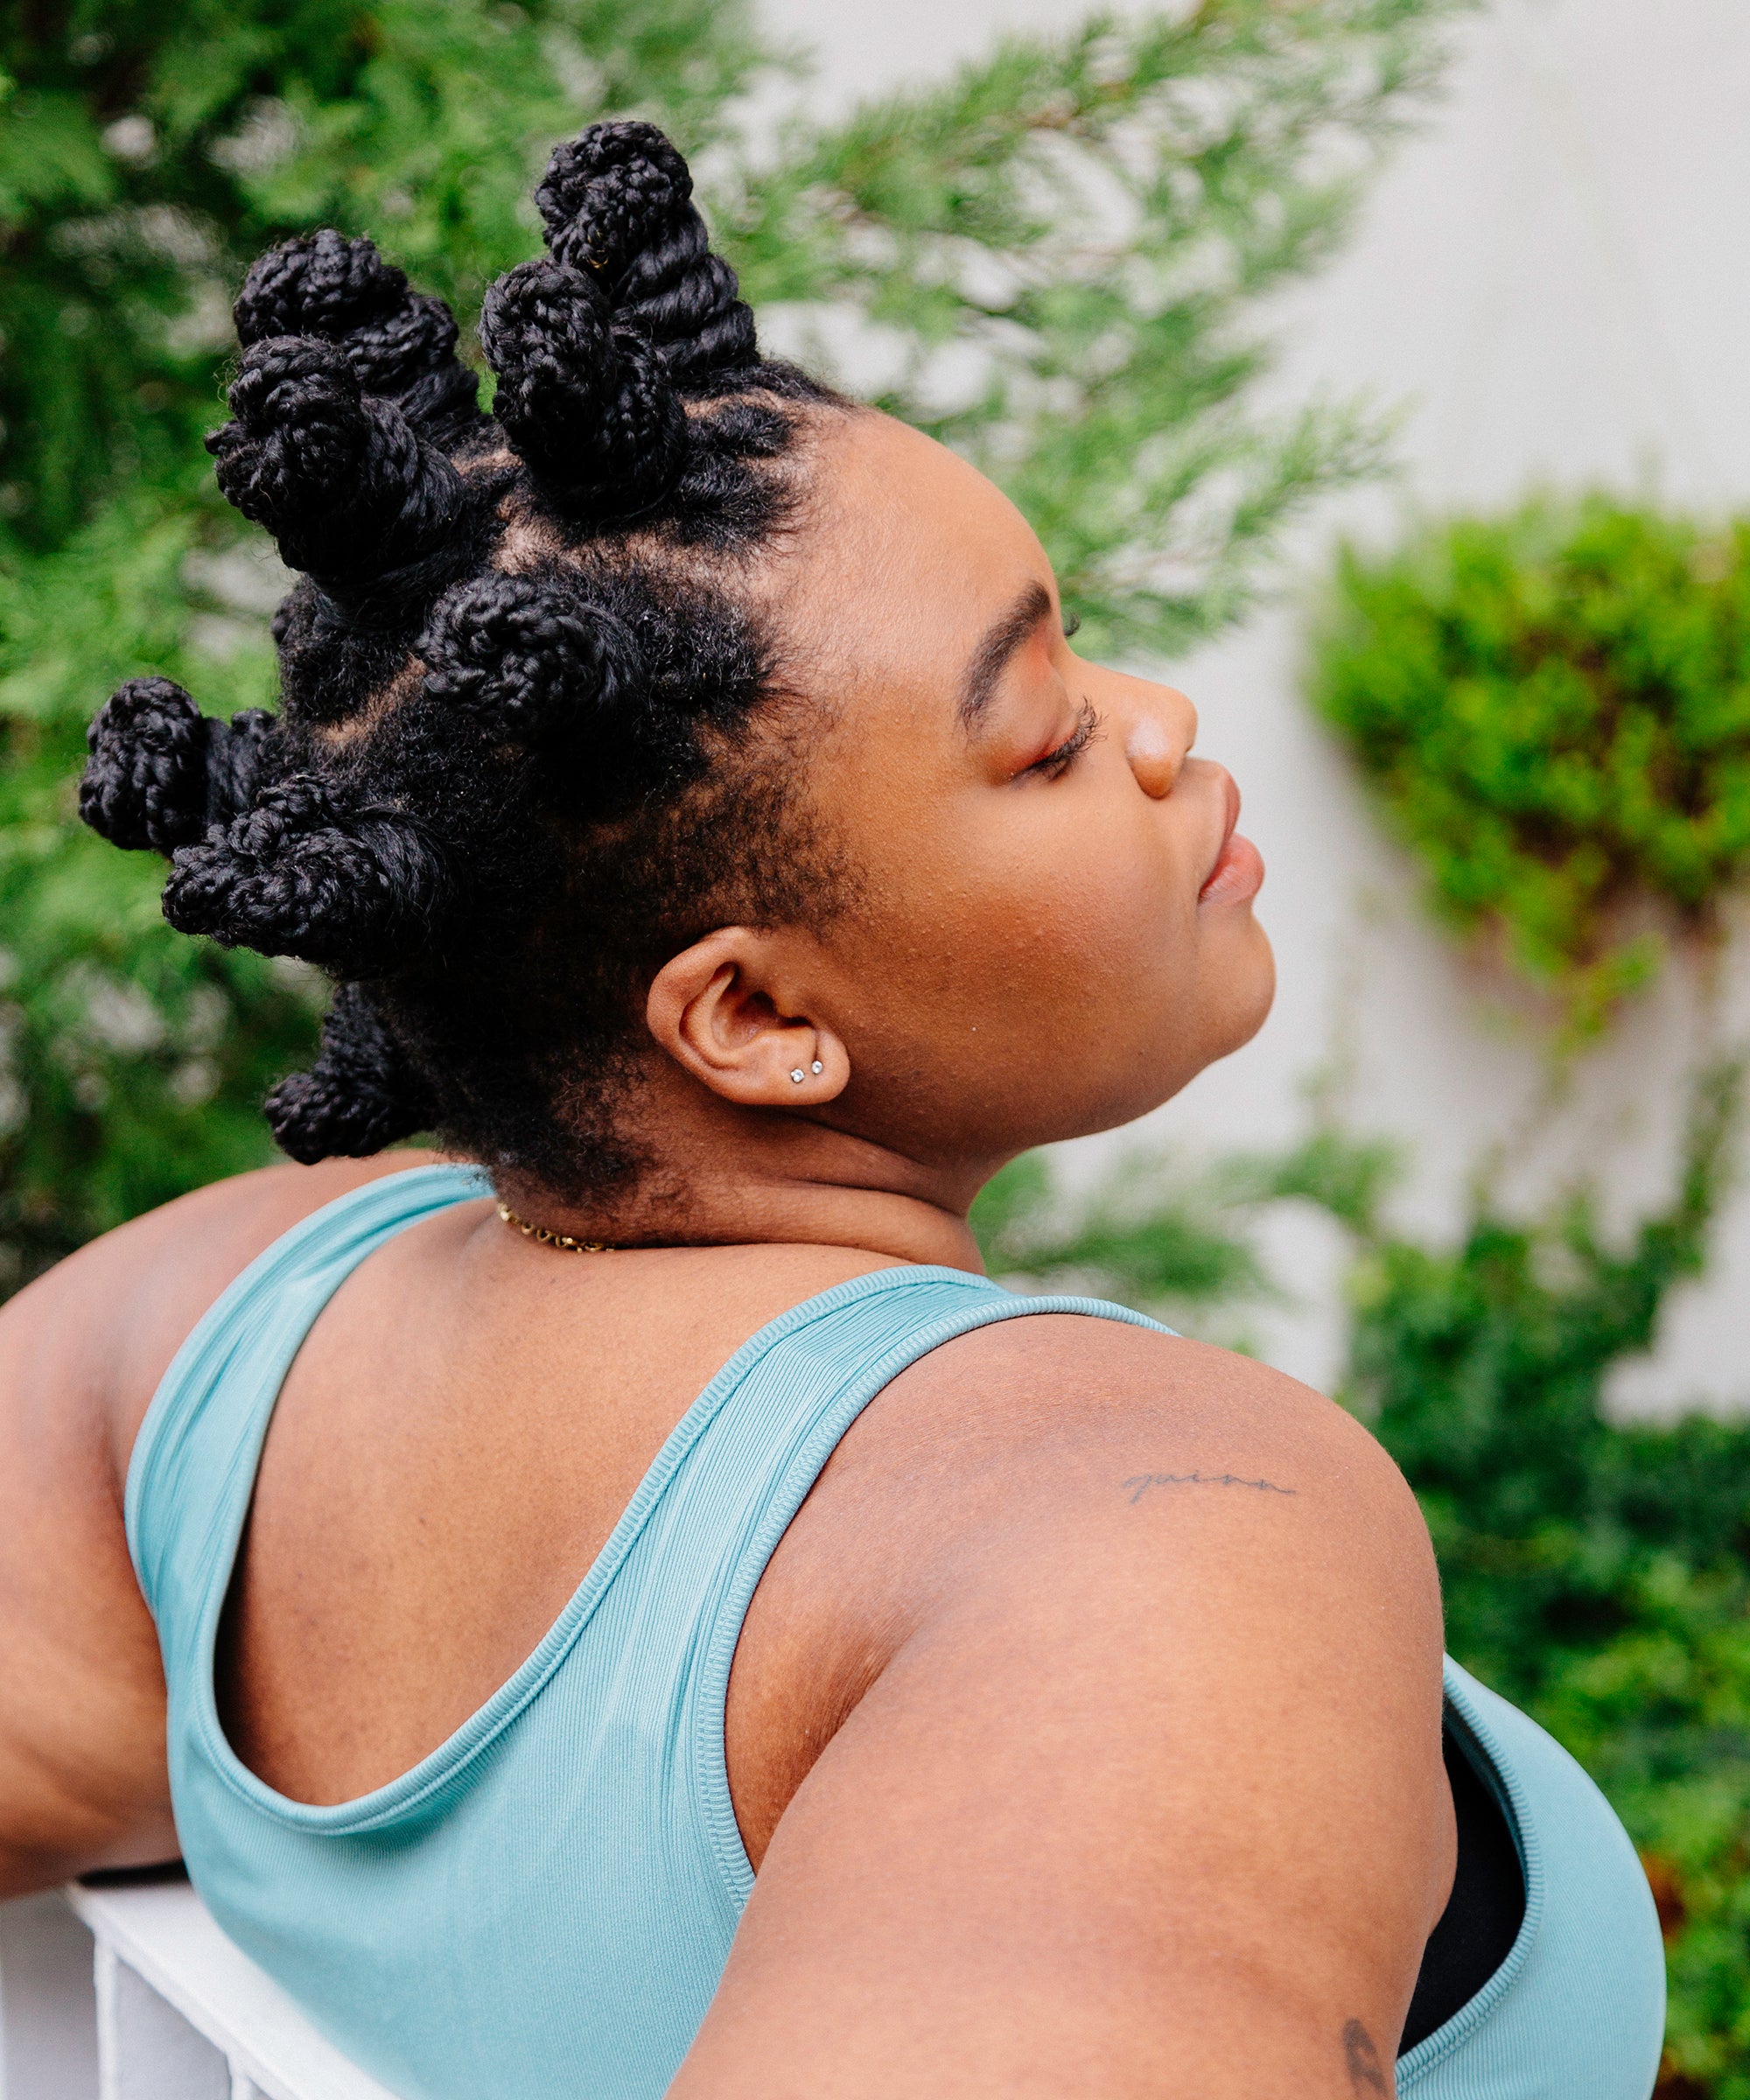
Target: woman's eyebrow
{"type": "Point", "coordinates": [990, 658]}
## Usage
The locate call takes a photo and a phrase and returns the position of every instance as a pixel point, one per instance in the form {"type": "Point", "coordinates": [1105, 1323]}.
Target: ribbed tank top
{"type": "Point", "coordinates": [544, 1905]}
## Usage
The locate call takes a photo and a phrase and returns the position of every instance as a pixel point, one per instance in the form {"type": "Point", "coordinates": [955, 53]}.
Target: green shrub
{"type": "Point", "coordinates": [1555, 711]}
{"type": "Point", "coordinates": [1596, 1574]}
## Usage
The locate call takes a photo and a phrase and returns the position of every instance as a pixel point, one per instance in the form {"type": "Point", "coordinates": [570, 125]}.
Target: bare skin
{"type": "Point", "coordinates": [1084, 1729]}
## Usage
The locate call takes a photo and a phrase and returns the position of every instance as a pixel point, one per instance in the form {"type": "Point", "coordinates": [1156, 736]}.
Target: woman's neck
{"type": "Point", "coordinates": [713, 1175]}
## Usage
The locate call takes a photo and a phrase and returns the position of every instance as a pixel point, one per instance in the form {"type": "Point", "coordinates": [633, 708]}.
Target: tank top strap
{"type": "Point", "coordinates": [199, 1443]}
{"type": "Point", "coordinates": [740, 1465]}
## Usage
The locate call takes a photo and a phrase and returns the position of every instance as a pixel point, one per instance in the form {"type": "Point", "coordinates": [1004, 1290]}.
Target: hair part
{"type": "Point", "coordinates": [534, 734]}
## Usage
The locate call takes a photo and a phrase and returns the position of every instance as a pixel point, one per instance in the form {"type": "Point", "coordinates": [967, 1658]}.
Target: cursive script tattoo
{"type": "Point", "coordinates": [1139, 1483]}
{"type": "Point", "coordinates": [1366, 2073]}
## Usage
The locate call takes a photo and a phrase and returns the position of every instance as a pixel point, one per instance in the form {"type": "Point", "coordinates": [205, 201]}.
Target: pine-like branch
{"type": "Point", "coordinates": [1057, 255]}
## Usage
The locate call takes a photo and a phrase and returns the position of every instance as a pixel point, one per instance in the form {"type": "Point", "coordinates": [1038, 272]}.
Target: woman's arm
{"type": "Point", "coordinates": [83, 1782]}
{"type": "Point", "coordinates": [1149, 1798]}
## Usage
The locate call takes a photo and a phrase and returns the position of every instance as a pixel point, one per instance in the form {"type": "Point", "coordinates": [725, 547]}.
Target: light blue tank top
{"type": "Point", "coordinates": [542, 1907]}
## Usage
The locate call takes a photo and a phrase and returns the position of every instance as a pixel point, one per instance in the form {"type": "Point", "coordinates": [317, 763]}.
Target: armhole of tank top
{"type": "Point", "coordinates": [1487, 1757]}
{"type": "Point", "coordinates": [189, 1376]}
{"type": "Point", "coordinates": [713, 1802]}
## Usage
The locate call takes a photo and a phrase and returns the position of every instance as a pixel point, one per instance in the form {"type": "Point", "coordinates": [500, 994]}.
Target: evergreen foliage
{"type": "Point", "coordinates": [1060, 249]}
{"type": "Point", "coordinates": [1555, 711]}
{"type": "Point", "coordinates": [1598, 1575]}
{"type": "Point", "coordinates": [1073, 233]}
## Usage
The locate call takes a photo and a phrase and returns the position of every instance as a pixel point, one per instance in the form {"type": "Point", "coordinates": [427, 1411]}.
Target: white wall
{"type": "Point", "coordinates": [1553, 278]}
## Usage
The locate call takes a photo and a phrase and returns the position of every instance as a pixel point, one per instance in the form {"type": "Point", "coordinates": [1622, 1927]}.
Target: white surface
{"type": "Point", "coordinates": [178, 2013]}
{"type": "Point", "coordinates": [146, 2050]}
{"type": "Point", "coordinates": [164, 1935]}
{"type": "Point", "coordinates": [1553, 279]}
{"type": "Point", "coordinates": [48, 2012]}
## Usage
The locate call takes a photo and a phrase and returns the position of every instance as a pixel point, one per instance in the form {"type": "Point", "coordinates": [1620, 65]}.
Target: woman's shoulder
{"type": "Point", "coordinates": [81, 1351]}
{"type": "Point", "coordinates": [1088, 1408]}
{"type": "Point", "coordinates": [1154, 1459]}
{"type": "Point", "coordinates": [102, 1326]}
{"type": "Point", "coordinates": [1073, 1485]}
{"type": "Point", "coordinates": [1116, 1642]}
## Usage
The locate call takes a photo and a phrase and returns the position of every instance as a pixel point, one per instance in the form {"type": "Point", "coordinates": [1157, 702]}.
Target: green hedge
{"type": "Point", "coordinates": [1554, 709]}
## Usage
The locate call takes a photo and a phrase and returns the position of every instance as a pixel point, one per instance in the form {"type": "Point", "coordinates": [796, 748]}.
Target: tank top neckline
{"type": "Point", "coordinates": [403, 1796]}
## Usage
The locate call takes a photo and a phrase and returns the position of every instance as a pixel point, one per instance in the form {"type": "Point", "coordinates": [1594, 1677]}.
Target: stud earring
{"type": "Point", "coordinates": [818, 1067]}
{"type": "Point", "coordinates": [798, 1075]}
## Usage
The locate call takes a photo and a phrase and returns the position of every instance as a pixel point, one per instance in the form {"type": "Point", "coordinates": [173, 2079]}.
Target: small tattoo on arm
{"type": "Point", "coordinates": [1139, 1483]}
{"type": "Point", "coordinates": [1366, 2075]}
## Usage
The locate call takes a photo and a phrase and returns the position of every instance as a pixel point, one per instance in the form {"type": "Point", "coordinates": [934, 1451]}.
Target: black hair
{"type": "Point", "coordinates": [513, 767]}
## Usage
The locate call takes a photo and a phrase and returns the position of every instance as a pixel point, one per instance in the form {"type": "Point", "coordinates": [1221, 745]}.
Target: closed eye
{"type": "Point", "coordinates": [1054, 763]}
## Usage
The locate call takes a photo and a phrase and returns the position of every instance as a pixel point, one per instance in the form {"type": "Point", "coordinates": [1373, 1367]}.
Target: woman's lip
{"type": "Point", "coordinates": [1230, 816]}
{"type": "Point", "coordinates": [1237, 875]}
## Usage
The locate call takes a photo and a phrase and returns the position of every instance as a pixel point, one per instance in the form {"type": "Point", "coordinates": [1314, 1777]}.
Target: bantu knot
{"type": "Point", "coordinates": [303, 873]}
{"type": "Point", "coordinates": [362, 1094]}
{"type": "Point", "coordinates": [617, 202]}
{"type": "Point", "coordinates": [350, 490]}
{"type": "Point", "coordinates": [400, 343]}
{"type": "Point", "coordinates": [588, 404]}
{"type": "Point", "coordinates": [527, 658]}
{"type": "Point", "coordinates": [160, 772]}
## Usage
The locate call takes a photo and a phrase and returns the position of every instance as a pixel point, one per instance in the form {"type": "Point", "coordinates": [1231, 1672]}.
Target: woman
{"type": "Point", "coordinates": [687, 779]}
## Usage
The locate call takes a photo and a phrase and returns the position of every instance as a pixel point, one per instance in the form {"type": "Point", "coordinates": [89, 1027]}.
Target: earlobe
{"type": "Point", "coordinates": [722, 1011]}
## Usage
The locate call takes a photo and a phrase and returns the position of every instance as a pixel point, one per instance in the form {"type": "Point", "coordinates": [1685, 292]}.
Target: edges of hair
{"type": "Point", "coordinates": [362, 1093]}
{"type": "Point", "coordinates": [160, 772]}
{"type": "Point", "coordinates": [400, 343]}
{"type": "Point", "coordinates": [304, 873]}
{"type": "Point", "coordinates": [586, 401]}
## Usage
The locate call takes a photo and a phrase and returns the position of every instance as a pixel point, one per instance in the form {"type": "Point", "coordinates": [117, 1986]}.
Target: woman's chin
{"type": "Point", "coordinates": [1245, 986]}
{"type": "Point", "coordinates": [1264, 994]}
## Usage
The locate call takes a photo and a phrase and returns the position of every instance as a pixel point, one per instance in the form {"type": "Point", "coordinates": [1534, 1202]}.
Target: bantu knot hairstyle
{"type": "Point", "coordinates": [617, 201]}
{"type": "Point", "coordinates": [161, 772]}
{"type": "Point", "coordinates": [401, 343]}
{"type": "Point", "coordinates": [529, 658]}
{"type": "Point", "coordinates": [342, 479]}
{"type": "Point", "coordinates": [515, 756]}
{"type": "Point", "coordinates": [362, 1093]}
{"type": "Point", "coordinates": [302, 872]}
{"type": "Point", "coordinates": [588, 403]}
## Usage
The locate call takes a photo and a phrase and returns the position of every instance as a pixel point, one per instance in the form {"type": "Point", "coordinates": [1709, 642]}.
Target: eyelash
{"type": "Point", "coordinates": [1072, 625]}
{"type": "Point", "coordinates": [1055, 763]}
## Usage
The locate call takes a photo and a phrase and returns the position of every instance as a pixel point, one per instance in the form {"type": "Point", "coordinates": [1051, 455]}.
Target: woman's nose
{"type": "Point", "coordinates": [1159, 737]}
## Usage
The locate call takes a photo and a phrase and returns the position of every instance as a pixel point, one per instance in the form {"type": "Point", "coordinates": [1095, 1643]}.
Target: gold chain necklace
{"type": "Point", "coordinates": [548, 1237]}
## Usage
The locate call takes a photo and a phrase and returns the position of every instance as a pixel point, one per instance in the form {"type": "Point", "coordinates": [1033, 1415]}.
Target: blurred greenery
{"type": "Point", "coordinates": [1594, 1573]}
{"type": "Point", "coordinates": [1057, 254]}
{"type": "Point", "coordinates": [1554, 709]}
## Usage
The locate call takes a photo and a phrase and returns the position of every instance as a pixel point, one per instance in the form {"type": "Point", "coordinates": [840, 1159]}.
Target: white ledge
{"type": "Point", "coordinates": [181, 2013]}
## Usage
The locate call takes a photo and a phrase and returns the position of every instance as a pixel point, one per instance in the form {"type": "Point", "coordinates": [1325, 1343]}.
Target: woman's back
{"type": "Point", "coordinates": [553, 1893]}
{"type": "Point", "coordinates": [454, 1443]}
{"type": "Point", "coordinates": [565, 1868]}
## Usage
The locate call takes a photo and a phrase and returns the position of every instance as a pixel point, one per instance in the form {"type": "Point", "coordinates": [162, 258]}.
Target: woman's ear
{"type": "Point", "coordinates": [722, 1009]}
